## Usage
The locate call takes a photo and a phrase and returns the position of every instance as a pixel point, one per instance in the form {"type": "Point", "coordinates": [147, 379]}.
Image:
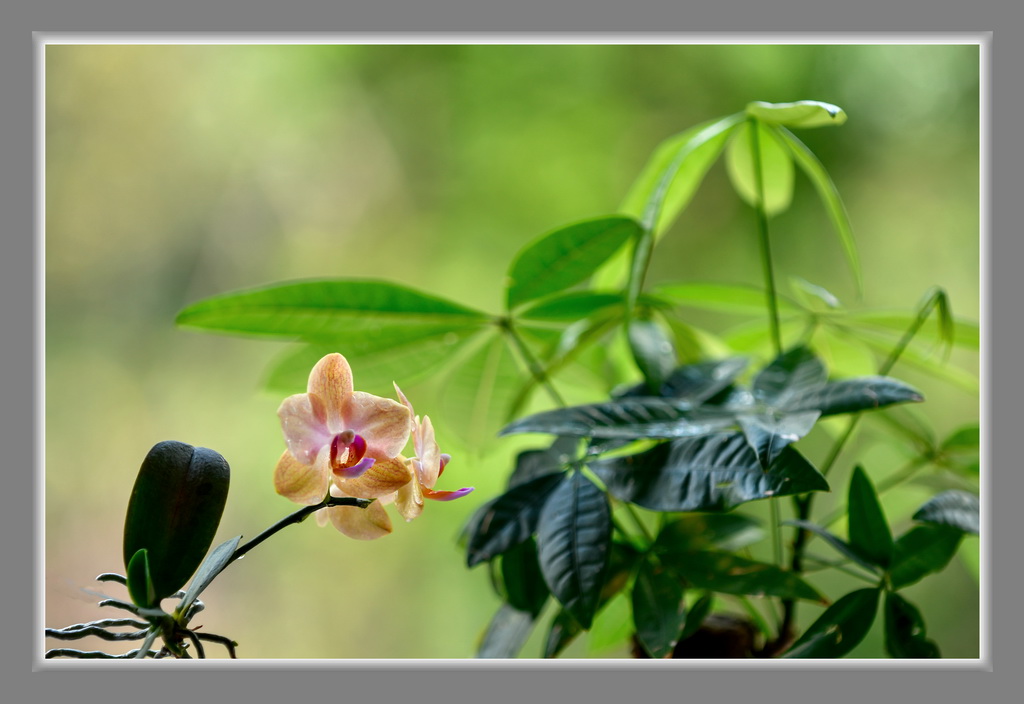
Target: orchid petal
{"type": "Point", "coordinates": [302, 483]}
{"type": "Point", "coordinates": [384, 477]}
{"type": "Point", "coordinates": [409, 500]}
{"type": "Point", "coordinates": [367, 523]}
{"type": "Point", "coordinates": [305, 430]}
{"type": "Point", "coordinates": [404, 400]}
{"type": "Point", "coordinates": [446, 495]}
{"type": "Point", "coordinates": [355, 470]}
{"type": "Point", "coordinates": [385, 424]}
{"type": "Point", "coordinates": [331, 380]}
{"type": "Point", "coordinates": [428, 452]}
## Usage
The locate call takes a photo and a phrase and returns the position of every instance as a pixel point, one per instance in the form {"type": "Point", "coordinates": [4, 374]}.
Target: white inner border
{"type": "Point", "coordinates": [981, 39]}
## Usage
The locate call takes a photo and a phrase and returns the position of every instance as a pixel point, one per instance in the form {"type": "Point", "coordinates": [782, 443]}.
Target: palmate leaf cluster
{"type": "Point", "coordinates": [685, 424]}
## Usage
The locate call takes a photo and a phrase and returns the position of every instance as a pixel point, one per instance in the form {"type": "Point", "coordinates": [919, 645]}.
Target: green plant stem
{"type": "Point", "coordinates": [773, 508]}
{"type": "Point", "coordinates": [762, 229]}
{"type": "Point", "coordinates": [298, 517]}
{"type": "Point", "coordinates": [531, 362]}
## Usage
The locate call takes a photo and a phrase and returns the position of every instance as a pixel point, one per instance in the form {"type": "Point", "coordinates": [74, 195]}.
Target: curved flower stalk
{"type": "Point", "coordinates": [346, 443]}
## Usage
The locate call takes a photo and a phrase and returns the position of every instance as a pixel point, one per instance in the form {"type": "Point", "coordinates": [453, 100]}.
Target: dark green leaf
{"type": "Point", "coordinates": [566, 257]}
{"type": "Point", "coordinates": [792, 372]}
{"type": "Point", "coordinates": [851, 395]}
{"type": "Point", "coordinates": [531, 464]}
{"type": "Point", "coordinates": [174, 510]}
{"type": "Point", "coordinates": [958, 509]}
{"type": "Point", "coordinates": [524, 584]}
{"type": "Point", "coordinates": [658, 609]}
{"type": "Point", "coordinates": [216, 561]}
{"type": "Point", "coordinates": [722, 298]}
{"type": "Point", "coordinates": [696, 615]}
{"type": "Point", "coordinates": [921, 551]}
{"type": "Point", "coordinates": [563, 631]}
{"type": "Point", "coordinates": [769, 434]}
{"type": "Point", "coordinates": [840, 629]}
{"type": "Point", "coordinates": [510, 519]}
{"type": "Point", "coordinates": [732, 574]}
{"type": "Point", "coordinates": [628, 419]}
{"type": "Point", "coordinates": [574, 541]}
{"type": "Point", "coordinates": [653, 351]}
{"type": "Point", "coordinates": [835, 541]}
{"type": "Point", "coordinates": [320, 310]}
{"type": "Point", "coordinates": [870, 536]}
{"type": "Point", "coordinates": [829, 195]}
{"type": "Point", "coordinates": [714, 472]}
{"type": "Point", "coordinates": [695, 383]}
{"type": "Point", "coordinates": [776, 166]}
{"type": "Point", "coordinates": [570, 306]}
{"type": "Point", "coordinates": [697, 531]}
{"type": "Point", "coordinates": [905, 635]}
{"type": "Point", "coordinates": [140, 582]}
{"type": "Point", "coordinates": [506, 634]}
{"type": "Point", "coordinates": [799, 114]}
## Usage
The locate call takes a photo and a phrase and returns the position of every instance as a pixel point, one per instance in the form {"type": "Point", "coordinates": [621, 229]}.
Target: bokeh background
{"type": "Point", "coordinates": [178, 172]}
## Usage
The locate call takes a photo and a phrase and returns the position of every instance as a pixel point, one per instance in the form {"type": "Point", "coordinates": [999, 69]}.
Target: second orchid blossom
{"type": "Point", "coordinates": [348, 443]}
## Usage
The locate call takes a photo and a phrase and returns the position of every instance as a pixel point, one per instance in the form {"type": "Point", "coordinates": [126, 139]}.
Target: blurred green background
{"type": "Point", "coordinates": [178, 172]}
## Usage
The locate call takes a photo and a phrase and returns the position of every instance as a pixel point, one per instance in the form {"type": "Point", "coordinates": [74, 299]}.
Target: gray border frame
{"type": "Point", "coordinates": [492, 685]}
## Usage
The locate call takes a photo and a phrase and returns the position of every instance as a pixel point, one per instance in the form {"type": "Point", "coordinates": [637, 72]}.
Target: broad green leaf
{"type": "Point", "coordinates": [957, 509]}
{"type": "Point", "coordinates": [697, 531]}
{"type": "Point", "coordinates": [812, 296]}
{"type": "Point", "coordinates": [612, 627]}
{"type": "Point", "coordinates": [174, 510]}
{"type": "Point", "coordinates": [216, 561]}
{"type": "Point", "coordinates": [836, 542]}
{"type": "Point", "coordinates": [567, 256]}
{"type": "Point", "coordinates": [669, 180]}
{"type": "Point", "coordinates": [574, 542]}
{"type": "Point", "coordinates": [139, 581]}
{"type": "Point", "coordinates": [966, 439]}
{"type": "Point", "coordinates": [829, 195]}
{"type": "Point", "coordinates": [735, 299]}
{"type": "Point", "coordinates": [963, 333]}
{"type": "Point", "coordinates": [776, 166]}
{"type": "Point", "coordinates": [800, 114]}
{"type": "Point", "coordinates": [921, 551]}
{"type": "Point", "coordinates": [509, 519]}
{"type": "Point", "coordinates": [524, 584]}
{"type": "Point", "coordinates": [840, 629]}
{"type": "Point", "coordinates": [792, 372]}
{"type": "Point", "coordinates": [570, 306]}
{"type": "Point", "coordinates": [531, 464]}
{"type": "Point", "coordinates": [695, 383]}
{"type": "Point", "coordinates": [378, 357]}
{"type": "Point", "coordinates": [912, 357]}
{"type": "Point", "coordinates": [851, 395]}
{"type": "Point", "coordinates": [630, 418]}
{"type": "Point", "coordinates": [506, 634]}
{"type": "Point", "coordinates": [869, 530]}
{"type": "Point", "coordinates": [563, 631]}
{"type": "Point", "coordinates": [905, 635]}
{"type": "Point", "coordinates": [911, 424]}
{"type": "Point", "coordinates": [769, 434]}
{"type": "Point", "coordinates": [653, 351]}
{"type": "Point", "coordinates": [658, 609]}
{"type": "Point", "coordinates": [710, 473]}
{"type": "Point", "coordinates": [696, 615]}
{"type": "Point", "coordinates": [731, 574]}
{"type": "Point", "coordinates": [324, 310]}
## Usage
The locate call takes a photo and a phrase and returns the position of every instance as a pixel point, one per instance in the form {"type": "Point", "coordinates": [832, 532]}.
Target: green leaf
{"type": "Point", "coordinates": [714, 472]}
{"type": "Point", "coordinates": [722, 298]}
{"type": "Point", "coordinates": [869, 530]}
{"type": "Point", "coordinates": [658, 609]}
{"type": "Point", "coordinates": [697, 531]}
{"type": "Point", "coordinates": [510, 519]}
{"type": "Point", "coordinates": [829, 195]}
{"type": "Point", "coordinates": [731, 574]}
{"type": "Point", "coordinates": [669, 180]}
{"type": "Point", "coordinates": [563, 631]}
{"type": "Point", "coordinates": [812, 296]}
{"type": "Point", "coordinates": [696, 615]}
{"type": "Point", "coordinates": [792, 372]}
{"type": "Point", "coordinates": [921, 551]}
{"type": "Point", "coordinates": [524, 584]}
{"type": "Point", "coordinates": [836, 542]}
{"type": "Point", "coordinates": [851, 395]}
{"type": "Point", "coordinates": [653, 351]}
{"type": "Point", "coordinates": [775, 162]}
{"type": "Point", "coordinates": [573, 542]}
{"type": "Point", "coordinates": [966, 439]}
{"type": "Point", "coordinates": [957, 509]}
{"type": "Point", "coordinates": [957, 331]}
{"type": "Point", "coordinates": [531, 464]}
{"type": "Point", "coordinates": [506, 634]}
{"type": "Point", "coordinates": [324, 310]}
{"type": "Point", "coordinates": [840, 629]}
{"type": "Point", "coordinates": [570, 306]}
{"type": "Point", "coordinates": [628, 419]}
{"type": "Point", "coordinates": [567, 256]}
{"type": "Point", "coordinates": [695, 383]}
{"type": "Point", "coordinates": [799, 114]}
{"type": "Point", "coordinates": [174, 510]}
{"type": "Point", "coordinates": [216, 561]}
{"type": "Point", "coordinates": [769, 434]}
{"type": "Point", "coordinates": [905, 635]}
{"type": "Point", "coordinates": [140, 582]}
